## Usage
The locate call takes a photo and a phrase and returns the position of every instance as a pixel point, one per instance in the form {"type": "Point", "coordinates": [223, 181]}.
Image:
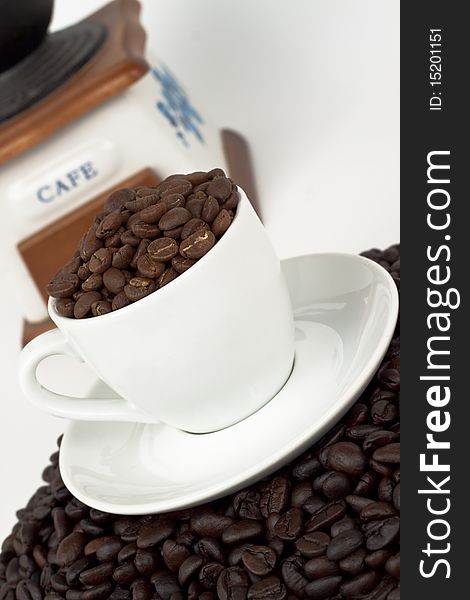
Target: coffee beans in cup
{"type": "Point", "coordinates": [143, 239]}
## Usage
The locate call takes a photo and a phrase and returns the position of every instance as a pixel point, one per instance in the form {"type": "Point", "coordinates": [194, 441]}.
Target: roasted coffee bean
{"type": "Point", "coordinates": [357, 503]}
{"type": "Point", "coordinates": [382, 533]}
{"type": "Point", "coordinates": [140, 251]}
{"type": "Point", "coordinates": [167, 276]}
{"type": "Point", "coordinates": [210, 210]}
{"type": "Point", "coordinates": [175, 217]}
{"type": "Point", "coordinates": [383, 412]}
{"type": "Point", "coordinates": [232, 584]}
{"type": "Point", "coordinates": [289, 525]}
{"type": "Point", "coordinates": [109, 225]}
{"type": "Point", "coordinates": [366, 484]}
{"type": "Point", "coordinates": [146, 561]}
{"type": "Point", "coordinates": [174, 554]}
{"type": "Point", "coordinates": [90, 244]}
{"type": "Point", "coordinates": [345, 457]}
{"type": "Point", "coordinates": [174, 234]}
{"type": "Point", "coordinates": [209, 574]}
{"type": "Point", "coordinates": [354, 563]}
{"type": "Point", "coordinates": [145, 230]}
{"type": "Point", "coordinates": [242, 531]}
{"type": "Point", "coordinates": [220, 188]}
{"type": "Point", "coordinates": [313, 544]}
{"type": "Point", "coordinates": [138, 288]}
{"type": "Point", "coordinates": [102, 307]}
{"type": "Point", "coordinates": [152, 214]}
{"type": "Point", "coordinates": [70, 548]}
{"type": "Point", "coordinates": [197, 244]}
{"type": "Point", "coordinates": [120, 301]}
{"type": "Point", "coordinates": [344, 524]}
{"type": "Point", "coordinates": [93, 283]}
{"type": "Point", "coordinates": [275, 496]}
{"type": "Point", "coordinates": [83, 304]}
{"type": "Point", "coordinates": [359, 433]}
{"type": "Point", "coordinates": [63, 286]}
{"type": "Point", "coordinates": [259, 560]}
{"type": "Point", "coordinates": [61, 523]}
{"type": "Point", "coordinates": [246, 505]}
{"type": "Point", "coordinates": [313, 504]}
{"type": "Point", "coordinates": [323, 588]}
{"type": "Point", "coordinates": [128, 238]}
{"type": "Point", "coordinates": [381, 468]}
{"type": "Point", "coordinates": [211, 549]}
{"type": "Point", "coordinates": [396, 497]}
{"type": "Point", "coordinates": [148, 267]}
{"type": "Point", "coordinates": [376, 510]}
{"type": "Point", "coordinates": [155, 532]}
{"type": "Point", "coordinates": [361, 584]}
{"type": "Point", "coordinates": [122, 258]}
{"type": "Point", "coordinates": [377, 439]}
{"type": "Point", "coordinates": [65, 306]}
{"type": "Point", "coordinates": [142, 201]}
{"type": "Point", "coordinates": [321, 566]}
{"type": "Point", "coordinates": [195, 204]}
{"type": "Point", "coordinates": [173, 201]}
{"type": "Point", "coordinates": [293, 573]}
{"type": "Point", "coordinates": [377, 559]}
{"type": "Point", "coordinates": [344, 543]}
{"type": "Point", "coordinates": [231, 202]}
{"type": "Point", "coordinates": [270, 588]}
{"type": "Point", "coordinates": [175, 185]}
{"type": "Point", "coordinates": [189, 568]}
{"type": "Point", "coordinates": [163, 249]}
{"type": "Point", "coordinates": [357, 415]}
{"type": "Point", "coordinates": [192, 226]}
{"type": "Point", "coordinates": [392, 566]}
{"type": "Point", "coordinates": [114, 241]}
{"type": "Point", "coordinates": [390, 453]}
{"type": "Point", "coordinates": [118, 199]}
{"type": "Point", "coordinates": [209, 524]}
{"type": "Point", "coordinates": [221, 222]}
{"type": "Point", "coordinates": [98, 574]}
{"type": "Point", "coordinates": [180, 264]}
{"type": "Point", "coordinates": [326, 516]}
{"type": "Point", "coordinates": [28, 590]}
{"type": "Point", "coordinates": [125, 573]}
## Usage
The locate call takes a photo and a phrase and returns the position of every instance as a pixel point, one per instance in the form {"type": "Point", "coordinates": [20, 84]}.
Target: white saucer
{"type": "Point", "coordinates": [345, 310]}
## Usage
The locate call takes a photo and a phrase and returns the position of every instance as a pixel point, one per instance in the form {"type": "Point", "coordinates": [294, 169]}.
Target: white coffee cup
{"type": "Point", "coordinates": [202, 353]}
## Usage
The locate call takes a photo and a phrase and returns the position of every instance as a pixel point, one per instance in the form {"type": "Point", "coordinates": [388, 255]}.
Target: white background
{"type": "Point", "coordinates": [314, 87]}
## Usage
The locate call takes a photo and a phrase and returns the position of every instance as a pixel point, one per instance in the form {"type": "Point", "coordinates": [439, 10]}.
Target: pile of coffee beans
{"type": "Point", "coordinates": [325, 527]}
{"type": "Point", "coordinates": [144, 238]}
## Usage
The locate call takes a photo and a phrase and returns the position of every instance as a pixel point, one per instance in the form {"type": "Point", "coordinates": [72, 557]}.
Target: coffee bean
{"type": "Point", "coordinates": [313, 544]}
{"type": "Point", "coordinates": [344, 524]}
{"type": "Point", "coordinates": [270, 588]}
{"type": "Point", "coordinates": [197, 244]}
{"type": "Point", "coordinates": [259, 560]}
{"type": "Point", "coordinates": [211, 549]}
{"type": "Point", "coordinates": [344, 543]}
{"type": "Point", "coordinates": [153, 214]}
{"type": "Point", "coordinates": [138, 288]}
{"type": "Point", "coordinates": [125, 573]}
{"type": "Point", "coordinates": [359, 433]}
{"type": "Point", "coordinates": [209, 574]}
{"type": "Point", "coordinates": [118, 199]}
{"type": "Point", "coordinates": [390, 453]}
{"type": "Point", "coordinates": [392, 566]}
{"type": "Point", "coordinates": [378, 438]}
{"type": "Point", "coordinates": [83, 304]}
{"type": "Point", "coordinates": [209, 524]}
{"type": "Point", "coordinates": [155, 532]}
{"type": "Point", "coordinates": [357, 503]}
{"type": "Point", "coordinates": [145, 230]}
{"type": "Point", "coordinates": [163, 249]}
{"type": "Point", "coordinates": [326, 516]}
{"type": "Point", "coordinates": [96, 575]}
{"type": "Point", "coordinates": [210, 210]}
{"type": "Point", "coordinates": [396, 497]}
{"type": "Point", "coordinates": [90, 244]}
{"type": "Point", "coordinates": [175, 217]}
{"type": "Point", "coordinates": [180, 264]}
{"type": "Point", "coordinates": [376, 510]}
{"type": "Point", "coordinates": [383, 412]}
{"type": "Point", "coordinates": [128, 238]}
{"type": "Point", "coordinates": [381, 468]}
{"type": "Point", "coordinates": [366, 484]}
{"type": "Point", "coordinates": [70, 548]}
{"type": "Point", "coordinates": [232, 584]}
{"type": "Point", "coordinates": [28, 590]}
{"type": "Point", "coordinates": [275, 496]}
{"type": "Point", "coordinates": [146, 561]}
{"type": "Point", "coordinates": [65, 306]}
{"type": "Point", "coordinates": [323, 588]}
{"type": "Point", "coordinates": [222, 222]}
{"type": "Point", "coordinates": [109, 225]}
{"type": "Point", "coordinates": [289, 525]}
{"type": "Point", "coordinates": [382, 533]}
{"type": "Point", "coordinates": [173, 201]}
{"type": "Point", "coordinates": [167, 277]}
{"type": "Point", "coordinates": [320, 566]}
{"type": "Point", "coordinates": [345, 457]}
{"type": "Point", "coordinates": [192, 226]}
{"type": "Point", "coordinates": [293, 574]}
{"type": "Point", "coordinates": [377, 559]}
{"type": "Point", "coordinates": [63, 286]}
{"type": "Point", "coordinates": [175, 186]}
{"type": "Point", "coordinates": [242, 531]}
{"type": "Point", "coordinates": [220, 188]}
{"type": "Point", "coordinates": [122, 258]}
{"type": "Point", "coordinates": [354, 563]}
{"type": "Point", "coordinates": [142, 202]}
{"type": "Point", "coordinates": [361, 584]}
{"type": "Point", "coordinates": [148, 267]}
{"type": "Point", "coordinates": [232, 201]}
{"type": "Point", "coordinates": [174, 554]}
{"type": "Point", "coordinates": [102, 307]}
{"type": "Point", "coordinates": [93, 283]}
{"type": "Point", "coordinates": [189, 568]}
{"type": "Point", "coordinates": [120, 301]}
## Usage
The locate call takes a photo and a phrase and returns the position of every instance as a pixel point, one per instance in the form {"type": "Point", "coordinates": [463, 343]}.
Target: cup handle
{"type": "Point", "coordinates": [85, 409]}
